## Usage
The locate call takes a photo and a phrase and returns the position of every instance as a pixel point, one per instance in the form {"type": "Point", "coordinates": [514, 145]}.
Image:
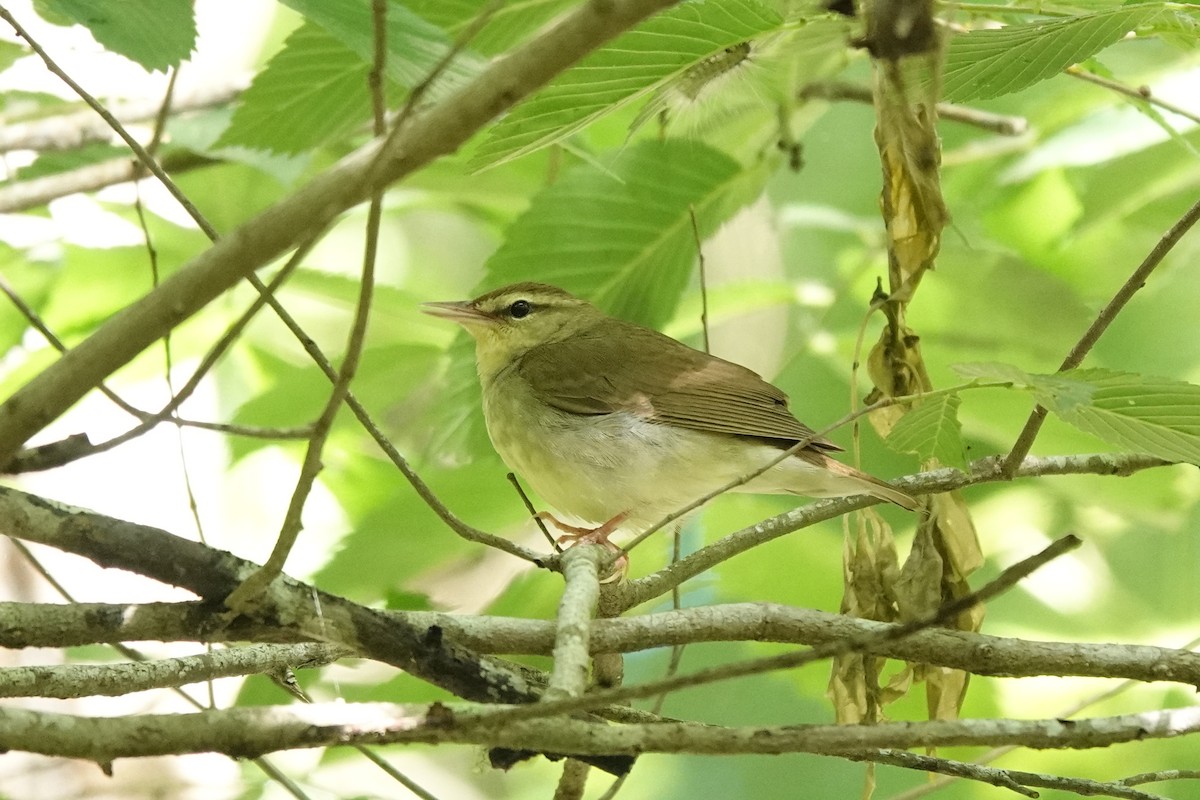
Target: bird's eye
{"type": "Point", "coordinates": [520, 309]}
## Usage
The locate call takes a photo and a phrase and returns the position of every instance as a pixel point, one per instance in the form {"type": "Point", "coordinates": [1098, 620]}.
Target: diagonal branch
{"type": "Point", "coordinates": [1099, 325]}
{"type": "Point", "coordinates": [441, 129]}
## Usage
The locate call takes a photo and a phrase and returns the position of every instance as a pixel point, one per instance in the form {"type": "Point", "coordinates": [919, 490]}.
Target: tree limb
{"type": "Point", "coordinates": [56, 625]}
{"type": "Point", "coordinates": [243, 732]}
{"type": "Point", "coordinates": [432, 133]}
{"type": "Point", "coordinates": [111, 680]}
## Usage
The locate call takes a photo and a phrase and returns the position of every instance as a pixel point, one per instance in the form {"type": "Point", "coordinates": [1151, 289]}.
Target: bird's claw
{"type": "Point", "coordinates": [574, 535]}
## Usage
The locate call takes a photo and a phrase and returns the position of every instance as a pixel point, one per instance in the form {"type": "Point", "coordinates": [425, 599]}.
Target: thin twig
{"type": "Point", "coordinates": [1099, 325]}
{"type": "Point", "coordinates": [68, 681]}
{"type": "Point", "coordinates": [1067, 713]}
{"type": "Point", "coordinates": [1141, 93]}
{"type": "Point", "coordinates": [984, 470]}
{"type": "Point", "coordinates": [395, 774]}
{"type": "Point", "coordinates": [148, 161]}
{"type": "Point", "coordinates": [248, 731]}
{"type": "Point", "coordinates": [1011, 779]}
{"type": "Point", "coordinates": [248, 431]}
{"type": "Point", "coordinates": [533, 512]}
{"type": "Point", "coordinates": [797, 447]}
{"type": "Point", "coordinates": [242, 597]}
{"type": "Point", "coordinates": [214, 353]}
{"type": "Point", "coordinates": [676, 603]}
{"type": "Point", "coordinates": [34, 319]}
{"type": "Point", "coordinates": [1161, 775]}
{"type": "Point", "coordinates": [460, 43]}
{"type": "Point", "coordinates": [988, 121]}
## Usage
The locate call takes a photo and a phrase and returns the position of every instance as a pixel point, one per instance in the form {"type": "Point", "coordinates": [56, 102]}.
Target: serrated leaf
{"type": "Point", "coordinates": [1135, 412]}
{"type": "Point", "coordinates": [508, 25]}
{"type": "Point", "coordinates": [623, 237]}
{"type": "Point", "coordinates": [314, 89]}
{"type": "Point", "coordinates": [995, 371]}
{"type": "Point", "coordinates": [635, 63]}
{"type": "Point", "coordinates": [158, 34]}
{"type": "Point", "coordinates": [414, 45]}
{"type": "Point", "coordinates": [931, 430]}
{"type": "Point", "coordinates": [989, 63]}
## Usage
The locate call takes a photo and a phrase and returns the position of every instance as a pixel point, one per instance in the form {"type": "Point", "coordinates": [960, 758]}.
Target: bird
{"type": "Point", "coordinates": [617, 425]}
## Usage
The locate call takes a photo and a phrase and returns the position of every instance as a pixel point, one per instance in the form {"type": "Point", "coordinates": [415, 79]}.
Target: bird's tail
{"type": "Point", "coordinates": [869, 483]}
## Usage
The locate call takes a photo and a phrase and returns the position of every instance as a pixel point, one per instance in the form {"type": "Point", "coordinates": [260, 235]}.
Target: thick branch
{"type": "Point", "coordinates": [430, 134]}
{"type": "Point", "coordinates": [245, 732]}
{"type": "Point", "coordinates": [212, 574]}
{"type": "Point", "coordinates": [573, 624]}
{"type": "Point", "coordinates": [42, 625]}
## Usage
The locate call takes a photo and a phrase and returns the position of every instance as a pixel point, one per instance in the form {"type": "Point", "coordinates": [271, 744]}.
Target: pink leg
{"type": "Point", "coordinates": [598, 535]}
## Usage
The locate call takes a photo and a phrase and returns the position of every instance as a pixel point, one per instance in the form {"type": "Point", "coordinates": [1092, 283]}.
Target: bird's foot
{"type": "Point", "coordinates": [598, 535]}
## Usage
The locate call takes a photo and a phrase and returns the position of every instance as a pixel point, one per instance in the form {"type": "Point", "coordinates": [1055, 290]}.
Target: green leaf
{"type": "Point", "coordinates": [414, 45]}
{"type": "Point", "coordinates": [510, 24]}
{"type": "Point", "coordinates": [313, 90]}
{"type": "Point", "coordinates": [635, 63]}
{"type": "Point", "coordinates": [1134, 412]}
{"type": "Point", "coordinates": [931, 430]}
{"type": "Point", "coordinates": [995, 371]}
{"type": "Point", "coordinates": [158, 34]}
{"type": "Point", "coordinates": [989, 63]}
{"type": "Point", "coordinates": [623, 237]}
{"type": "Point", "coordinates": [32, 282]}
{"type": "Point", "coordinates": [10, 52]}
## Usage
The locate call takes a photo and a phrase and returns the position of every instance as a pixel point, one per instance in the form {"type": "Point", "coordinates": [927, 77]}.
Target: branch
{"type": "Point", "coordinates": [37, 192]}
{"type": "Point", "coordinates": [432, 133]}
{"type": "Point", "coordinates": [57, 625]}
{"type": "Point", "coordinates": [984, 470]}
{"type": "Point", "coordinates": [996, 123]}
{"type": "Point", "coordinates": [111, 680]}
{"type": "Point", "coordinates": [1012, 779]}
{"type": "Point", "coordinates": [572, 626]}
{"type": "Point", "coordinates": [243, 732]}
{"type": "Point", "coordinates": [77, 128]}
{"type": "Point", "coordinates": [1140, 93]}
{"type": "Point", "coordinates": [1099, 325]}
{"type": "Point", "coordinates": [317, 616]}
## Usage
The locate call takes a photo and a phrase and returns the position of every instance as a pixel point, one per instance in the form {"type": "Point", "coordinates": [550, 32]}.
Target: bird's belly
{"type": "Point", "coordinates": [595, 467]}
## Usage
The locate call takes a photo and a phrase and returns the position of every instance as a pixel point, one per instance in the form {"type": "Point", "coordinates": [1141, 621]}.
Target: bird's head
{"type": "Point", "coordinates": [509, 322]}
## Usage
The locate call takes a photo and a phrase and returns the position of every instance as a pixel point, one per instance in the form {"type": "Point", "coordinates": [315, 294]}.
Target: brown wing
{"type": "Point", "coordinates": [624, 367]}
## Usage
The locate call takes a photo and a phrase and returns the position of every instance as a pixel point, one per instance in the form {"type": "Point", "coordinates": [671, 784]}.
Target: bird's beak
{"type": "Point", "coordinates": [463, 312]}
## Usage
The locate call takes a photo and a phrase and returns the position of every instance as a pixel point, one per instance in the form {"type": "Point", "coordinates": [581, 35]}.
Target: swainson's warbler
{"type": "Point", "coordinates": [618, 425]}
